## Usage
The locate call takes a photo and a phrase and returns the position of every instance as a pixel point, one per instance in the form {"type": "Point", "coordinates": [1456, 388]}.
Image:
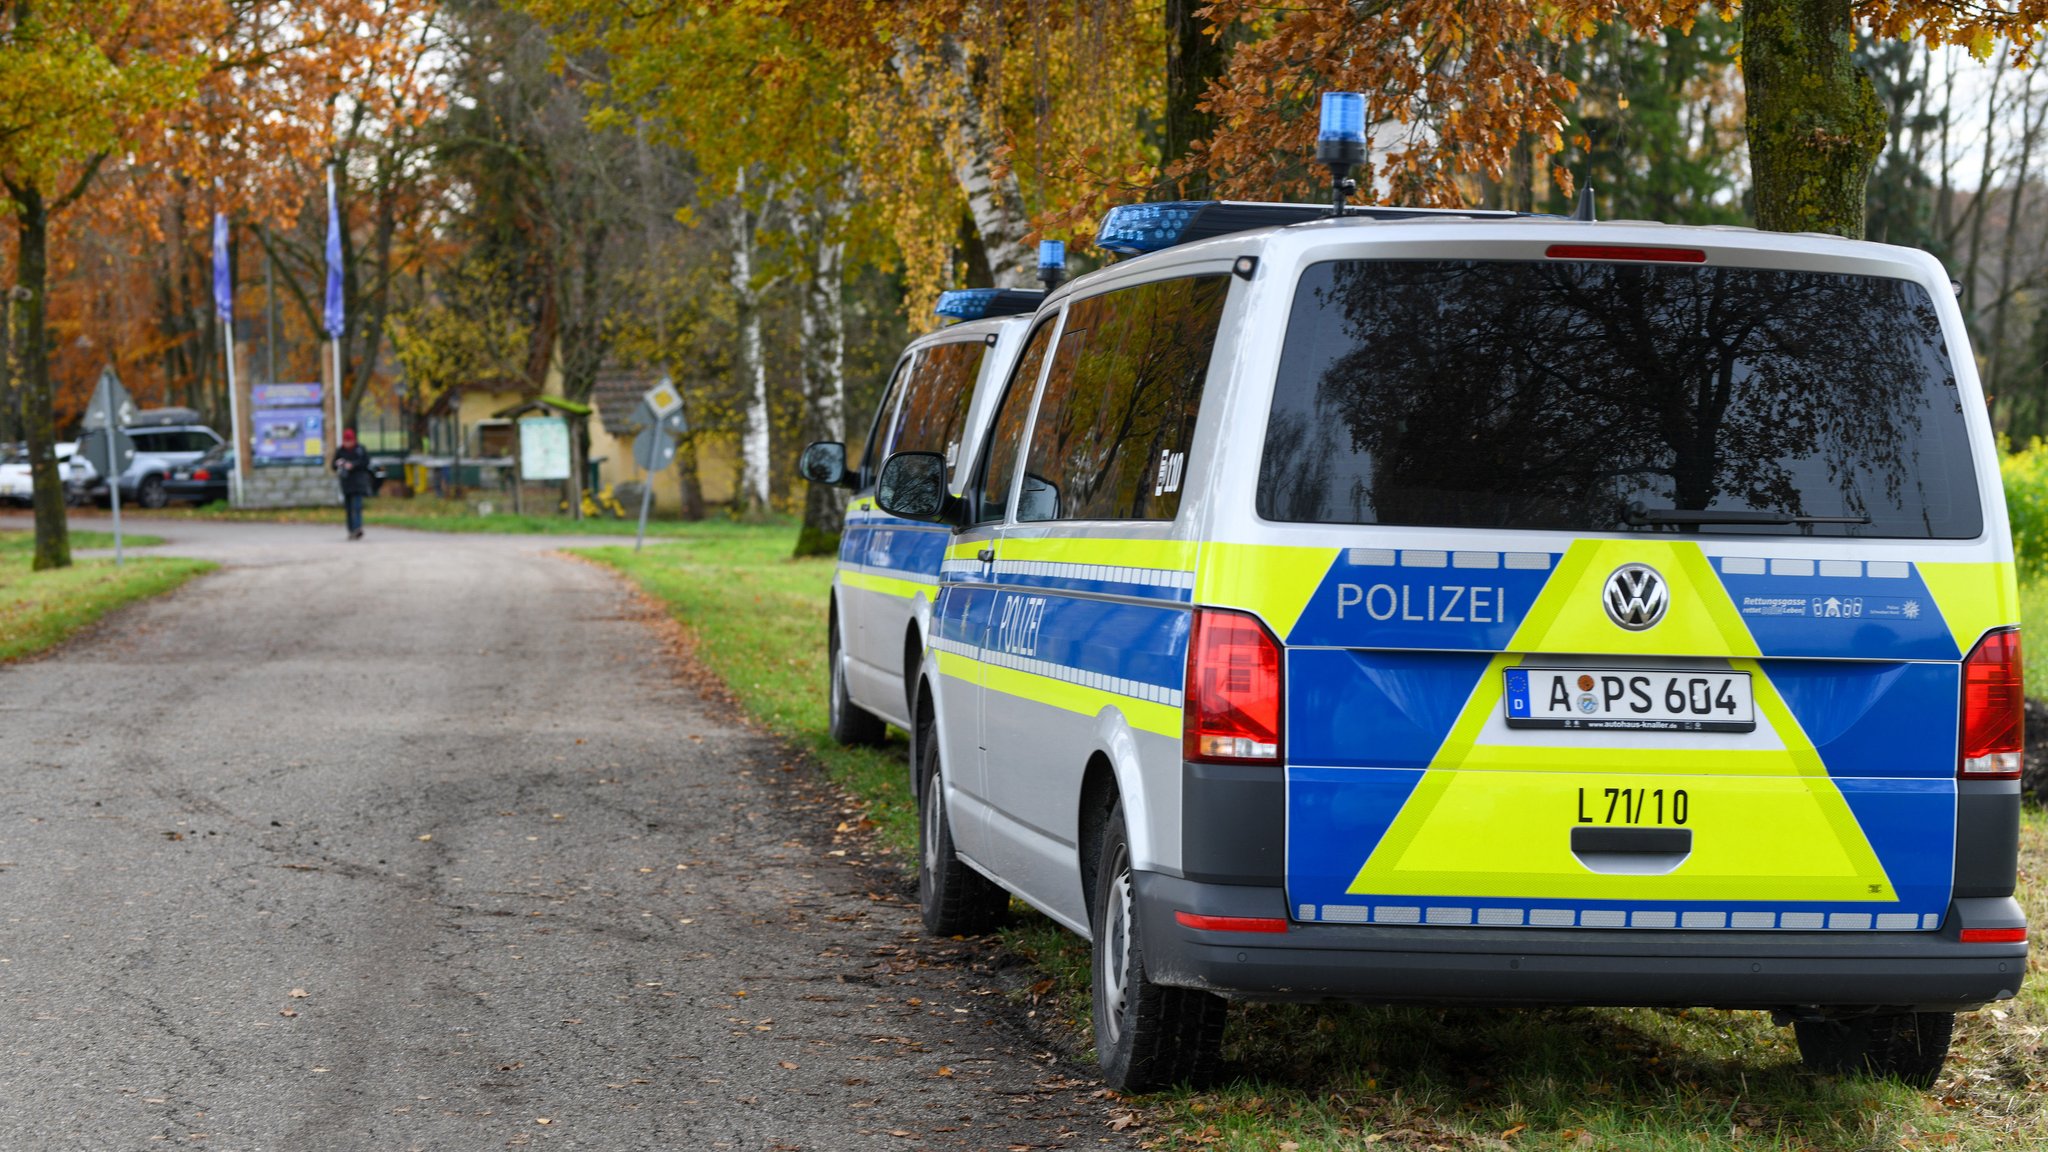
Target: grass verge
{"type": "Point", "coordinates": [40, 609]}
{"type": "Point", "coordinates": [1309, 1078]}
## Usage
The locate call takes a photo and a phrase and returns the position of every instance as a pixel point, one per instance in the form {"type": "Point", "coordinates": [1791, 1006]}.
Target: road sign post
{"type": "Point", "coordinates": [107, 446]}
{"type": "Point", "coordinates": [660, 420]}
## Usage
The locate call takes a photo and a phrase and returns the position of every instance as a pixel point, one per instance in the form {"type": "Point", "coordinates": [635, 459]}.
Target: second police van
{"type": "Point", "coordinates": [938, 399]}
{"type": "Point", "coordinates": [1464, 607]}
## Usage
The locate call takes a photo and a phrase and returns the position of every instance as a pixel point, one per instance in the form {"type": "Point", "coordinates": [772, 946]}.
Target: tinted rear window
{"type": "Point", "coordinates": [1606, 397]}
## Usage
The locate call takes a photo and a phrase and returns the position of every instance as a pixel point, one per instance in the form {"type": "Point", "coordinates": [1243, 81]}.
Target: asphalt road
{"type": "Point", "coordinates": [428, 842]}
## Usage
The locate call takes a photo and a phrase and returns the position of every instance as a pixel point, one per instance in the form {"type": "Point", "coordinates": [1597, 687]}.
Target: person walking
{"type": "Point", "coordinates": [352, 464]}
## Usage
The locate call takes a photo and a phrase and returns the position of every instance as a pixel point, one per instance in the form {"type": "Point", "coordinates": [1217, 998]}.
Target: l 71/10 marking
{"type": "Point", "coordinates": [1631, 805]}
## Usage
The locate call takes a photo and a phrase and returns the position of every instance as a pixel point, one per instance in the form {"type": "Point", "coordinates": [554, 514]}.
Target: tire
{"type": "Point", "coordinates": [1147, 1036]}
{"type": "Point", "coordinates": [1909, 1047]}
{"type": "Point", "coordinates": [849, 722]}
{"type": "Point", "coordinates": [151, 494]}
{"type": "Point", "coordinates": [954, 899]}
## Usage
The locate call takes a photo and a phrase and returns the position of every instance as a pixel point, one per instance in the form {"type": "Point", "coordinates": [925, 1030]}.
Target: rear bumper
{"type": "Point", "coordinates": [1926, 971]}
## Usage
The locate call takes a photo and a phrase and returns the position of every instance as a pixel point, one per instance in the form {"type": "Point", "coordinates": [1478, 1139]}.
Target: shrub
{"type": "Point", "coordinates": [2026, 502]}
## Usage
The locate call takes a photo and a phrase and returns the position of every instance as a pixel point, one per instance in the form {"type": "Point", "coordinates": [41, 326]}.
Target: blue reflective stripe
{"type": "Point", "coordinates": [1875, 719]}
{"type": "Point", "coordinates": [1419, 598]}
{"type": "Point", "coordinates": [1382, 709]}
{"type": "Point", "coordinates": [1840, 608]}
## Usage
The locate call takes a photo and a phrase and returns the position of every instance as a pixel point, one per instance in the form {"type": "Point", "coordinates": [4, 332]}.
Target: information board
{"type": "Point", "coordinates": [544, 449]}
{"type": "Point", "coordinates": [287, 424]}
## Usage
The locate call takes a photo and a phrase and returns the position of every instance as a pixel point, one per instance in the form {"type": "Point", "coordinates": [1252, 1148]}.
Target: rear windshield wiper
{"type": "Point", "coordinates": [1640, 516]}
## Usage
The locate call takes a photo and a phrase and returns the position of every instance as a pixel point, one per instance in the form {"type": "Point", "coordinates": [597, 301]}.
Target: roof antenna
{"type": "Point", "coordinates": [1341, 143]}
{"type": "Point", "coordinates": [1584, 212]}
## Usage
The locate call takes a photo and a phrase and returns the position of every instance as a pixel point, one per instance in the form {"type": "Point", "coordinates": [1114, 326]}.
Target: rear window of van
{"type": "Point", "coordinates": [1602, 397]}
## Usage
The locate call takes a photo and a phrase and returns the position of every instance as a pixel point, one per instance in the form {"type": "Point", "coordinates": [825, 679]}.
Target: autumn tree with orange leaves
{"type": "Point", "coordinates": [1454, 88]}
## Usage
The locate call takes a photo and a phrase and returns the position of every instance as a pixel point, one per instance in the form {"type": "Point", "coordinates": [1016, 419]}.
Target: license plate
{"type": "Point", "coordinates": [1629, 699]}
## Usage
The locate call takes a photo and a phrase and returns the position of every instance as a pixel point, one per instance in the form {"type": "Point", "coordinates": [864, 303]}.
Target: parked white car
{"type": "Point", "coordinates": [18, 487]}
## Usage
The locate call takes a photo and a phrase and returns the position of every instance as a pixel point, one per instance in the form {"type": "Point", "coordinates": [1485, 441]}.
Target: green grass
{"type": "Point", "coordinates": [1346, 1077]}
{"type": "Point", "coordinates": [41, 609]}
{"type": "Point", "coordinates": [435, 514]}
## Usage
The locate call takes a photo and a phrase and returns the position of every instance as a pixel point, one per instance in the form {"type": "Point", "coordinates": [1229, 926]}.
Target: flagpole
{"type": "Point", "coordinates": [224, 307]}
{"type": "Point", "coordinates": [334, 329]}
{"type": "Point", "coordinates": [234, 418]}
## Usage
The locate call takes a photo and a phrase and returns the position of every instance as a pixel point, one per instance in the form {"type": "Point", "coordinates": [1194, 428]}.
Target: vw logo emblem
{"type": "Point", "coordinates": [1636, 596]}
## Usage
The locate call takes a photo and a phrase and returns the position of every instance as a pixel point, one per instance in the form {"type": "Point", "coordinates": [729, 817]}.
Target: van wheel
{"type": "Point", "coordinates": [850, 723]}
{"type": "Point", "coordinates": [954, 899]}
{"type": "Point", "coordinates": [151, 493]}
{"type": "Point", "coordinates": [1907, 1046]}
{"type": "Point", "coordinates": [1147, 1036]}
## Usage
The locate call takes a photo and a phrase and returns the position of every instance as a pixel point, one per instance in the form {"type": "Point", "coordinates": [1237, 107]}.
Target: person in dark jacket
{"type": "Point", "coordinates": [352, 464]}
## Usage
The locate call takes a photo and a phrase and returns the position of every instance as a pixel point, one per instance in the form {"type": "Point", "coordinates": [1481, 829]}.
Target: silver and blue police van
{"type": "Point", "coordinates": [937, 400]}
{"type": "Point", "coordinates": [1470, 607]}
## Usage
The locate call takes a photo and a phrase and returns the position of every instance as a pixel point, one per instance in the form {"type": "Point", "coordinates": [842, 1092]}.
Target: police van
{"type": "Point", "coordinates": [1469, 607]}
{"type": "Point", "coordinates": [937, 400]}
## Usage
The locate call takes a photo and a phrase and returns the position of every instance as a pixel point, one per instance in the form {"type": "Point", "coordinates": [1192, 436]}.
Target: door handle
{"type": "Point", "coordinates": [867, 505]}
{"type": "Point", "coordinates": [986, 555]}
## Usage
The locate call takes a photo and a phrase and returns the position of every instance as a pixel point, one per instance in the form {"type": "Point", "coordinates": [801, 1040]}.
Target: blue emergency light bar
{"type": "Point", "coordinates": [983, 303]}
{"type": "Point", "coordinates": [1135, 229]}
{"type": "Point", "coordinates": [1052, 254]}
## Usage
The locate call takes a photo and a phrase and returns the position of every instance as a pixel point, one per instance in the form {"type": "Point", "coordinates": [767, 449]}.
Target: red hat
{"type": "Point", "coordinates": [348, 437]}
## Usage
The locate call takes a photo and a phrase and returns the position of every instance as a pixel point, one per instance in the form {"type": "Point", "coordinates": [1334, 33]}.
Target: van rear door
{"type": "Point", "coordinates": [1638, 598]}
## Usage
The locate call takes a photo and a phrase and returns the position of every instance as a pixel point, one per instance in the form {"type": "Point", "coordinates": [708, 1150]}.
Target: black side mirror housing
{"type": "Point", "coordinates": [913, 486]}
{"type": "Point", "coordinates": [824, 462]}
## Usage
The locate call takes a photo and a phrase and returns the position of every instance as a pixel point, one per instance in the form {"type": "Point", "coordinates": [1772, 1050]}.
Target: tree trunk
{"type": "Point", "coordinates": [690, 488]}
{"type": "Point", "coordinates": [823, 330]}
{"type": "Point", "coordinates": [2015, 221]}
{"type": "Point", "coordinates": [962, 115]}
{"type": "Point", "coordinates": [752, 497]}
{"type": "Point", "coordinates": [32, 268]}
{"type": "Point", "coordinates": [1193, 59]}
{"type": "Point", "coordinates": [1815, 123]}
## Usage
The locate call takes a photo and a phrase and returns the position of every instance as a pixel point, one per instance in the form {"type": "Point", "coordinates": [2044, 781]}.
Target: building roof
{"type": "Point", "coordinates": [617, 393]}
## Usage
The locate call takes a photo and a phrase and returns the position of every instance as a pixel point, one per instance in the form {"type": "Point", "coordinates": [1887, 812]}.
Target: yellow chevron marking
{"type": "Point", "coordinates": [1274, 580]}
{"type": "Point", "coordinates": [1570, 614]}
{"type": "Point", "coordinates": [1496, 820]}
{"type": "Point", "coordinates": [1973, 598]}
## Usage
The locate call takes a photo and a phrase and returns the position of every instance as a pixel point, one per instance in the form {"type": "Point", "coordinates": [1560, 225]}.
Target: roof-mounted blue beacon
{"type": "Point", "coordinates": [1052, 263]}
{"type": "Point", "coordinates": [1340, 142]}
{"type": "Point", "coordinates": [983, 303]}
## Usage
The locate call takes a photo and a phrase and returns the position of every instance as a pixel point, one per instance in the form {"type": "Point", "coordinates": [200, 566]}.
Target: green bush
{"type": "Point", "coordinates": [2026, 502]}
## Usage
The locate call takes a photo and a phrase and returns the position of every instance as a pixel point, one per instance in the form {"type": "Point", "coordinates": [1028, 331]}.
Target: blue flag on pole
{"type": "Point", "coordinates": [336, 322]}
{"type": "Point", "coordinates": [223, 287]}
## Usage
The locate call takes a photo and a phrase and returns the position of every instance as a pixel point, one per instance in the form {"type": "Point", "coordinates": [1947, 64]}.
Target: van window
{"type": "Point", "coordinates": [934, 415]}
{"type": "Point", "coordinates": [872, 454]}
{"type": "Point", "coordinates": [1006, 436]}
{"type": "Point", "coordinates": [1617, 397]}
{"type": "Point", "coordinates": [1111, 440]}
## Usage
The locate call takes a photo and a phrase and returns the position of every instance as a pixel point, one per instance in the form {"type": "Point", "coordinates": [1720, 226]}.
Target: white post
{"type": "Point", "coordinates": [334, 433]}
{"type": "Point", "coordinates": [114, 489]}
{"type": "Point", "coordinates": [234, 421]}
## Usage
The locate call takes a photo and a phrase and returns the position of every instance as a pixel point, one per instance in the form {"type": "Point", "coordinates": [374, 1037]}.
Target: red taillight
{"type": "Point", "coordinates": [1625, 252]}
{"type": "Point", "coordinates": [1994, 709]}
{"type": "Point", "coordinates": [201, 474]}
{"type": "Point", "coordinates": [1230, 923]}
{"type": "Point", "coordinates": [1232, 713]}
{"type": "Point", "coordinates": [1994, 935]}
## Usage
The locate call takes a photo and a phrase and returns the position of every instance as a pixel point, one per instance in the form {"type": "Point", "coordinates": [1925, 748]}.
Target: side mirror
{"type": "Point", "coordinates": [913, 486]}
{"type": "Point", "coordinates": [1038, 500]}
{"type": "Point", "coordinates": [824, 462]}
